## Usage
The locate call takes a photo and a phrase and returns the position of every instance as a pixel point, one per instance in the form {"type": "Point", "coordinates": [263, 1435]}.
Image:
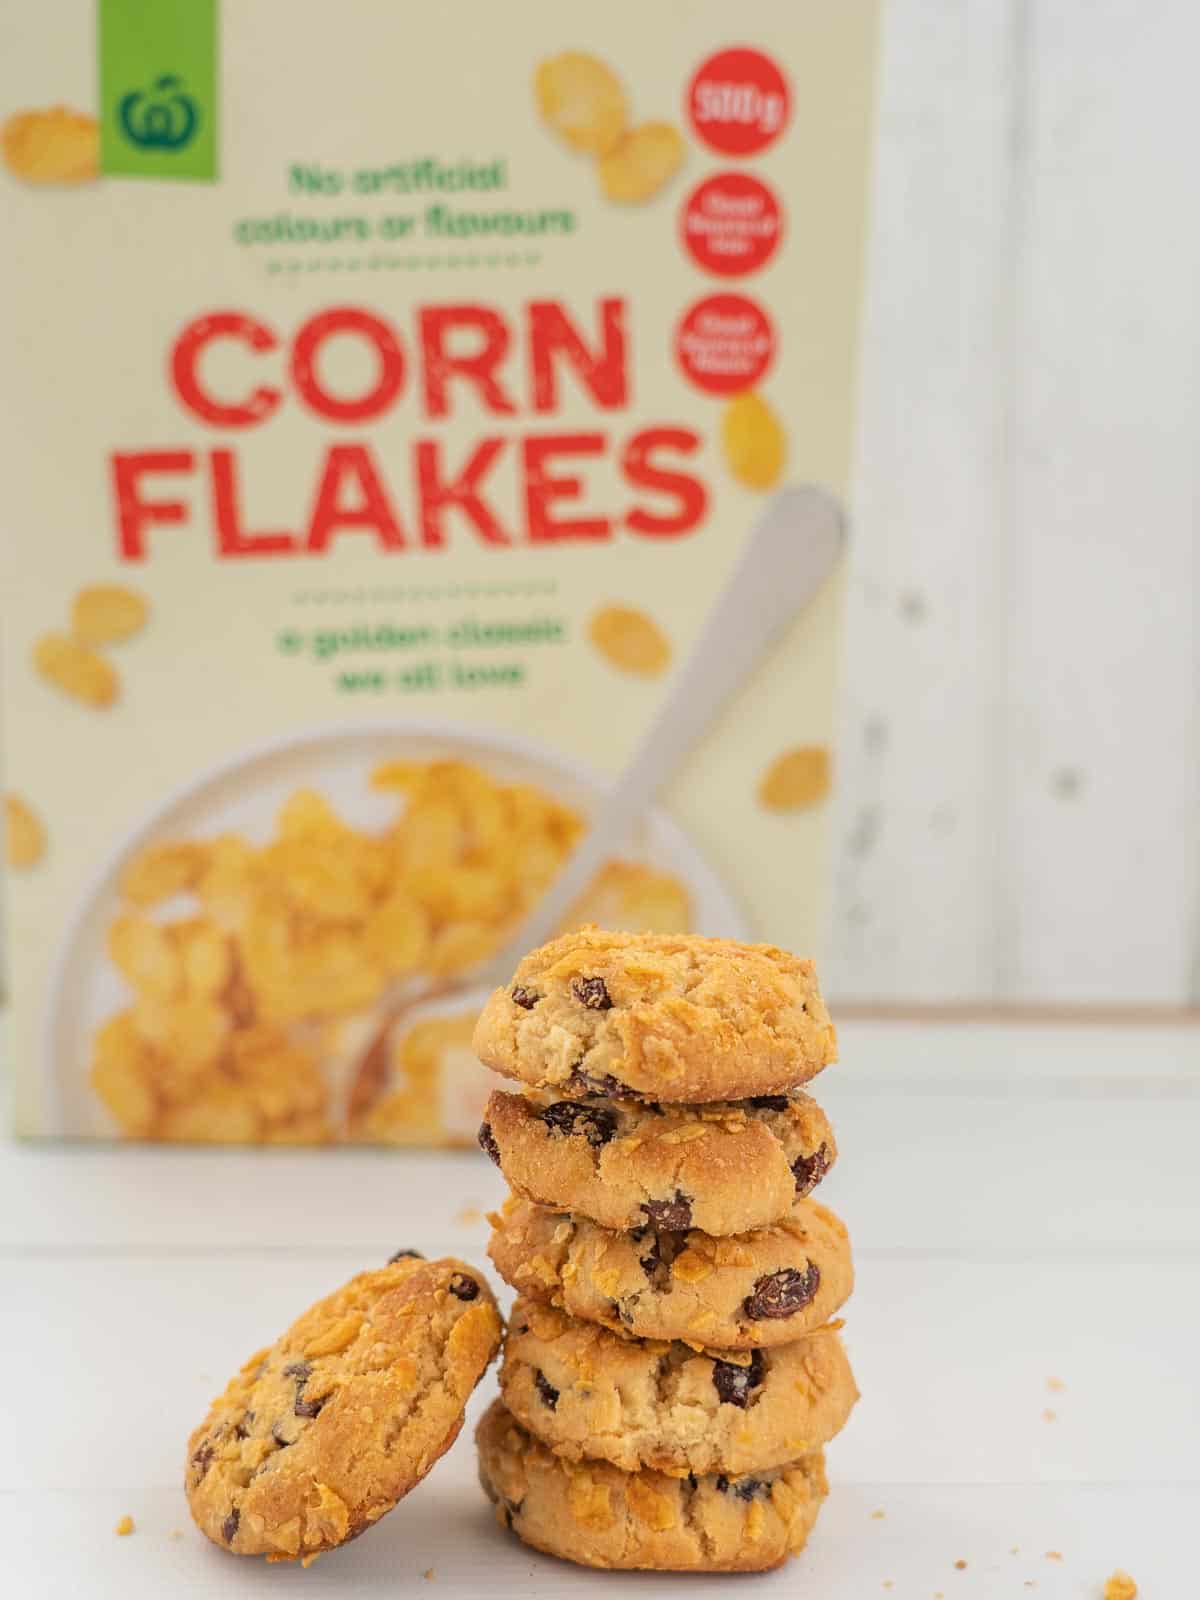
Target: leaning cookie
{"type": "Point", "coordinates": [593, 1514]}
{"type": "Point", "coordinates": [665, 1017]}
{"type": "Point", "coordinates": [593, 1394]}
{"type": "Point", "coordinates": [762, 1288]}
{"type": "Point", "coordinates": [321, 1434]}
{"type": "Point", "coordinates": [724, 1167]}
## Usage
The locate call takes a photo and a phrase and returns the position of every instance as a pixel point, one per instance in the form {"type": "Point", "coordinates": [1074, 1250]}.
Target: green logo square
{"type": "Point", "coordinates": [158, 88]}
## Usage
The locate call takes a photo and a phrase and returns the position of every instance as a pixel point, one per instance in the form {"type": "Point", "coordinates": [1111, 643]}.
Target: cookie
{"type": "Point", "coordinates": [598, 1516]}
{"type": "Point", "coordinates": [723, 1167]}
{"type": "Point", "coordinates": [767, 1287]}
{"type": "Point", "coordinates": [590, 1393]}
{"type": "Point", "coordinates": [321, 1434]}
{"type": "Point", "coordinates": [668, 1017]}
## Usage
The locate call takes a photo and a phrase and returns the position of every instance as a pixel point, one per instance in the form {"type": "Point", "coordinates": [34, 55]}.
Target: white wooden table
{"type": "Point", "coordinates": [1025, 1203]}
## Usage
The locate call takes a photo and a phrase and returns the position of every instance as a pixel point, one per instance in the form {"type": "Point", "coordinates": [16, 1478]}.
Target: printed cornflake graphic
{"type": "Point", "coordinates": [582, 100]}
{"type": "Point", "coordinates": [754, 441]}
{"type": "Point", "coordinates": [56, 145]}
{"type": "Point", "coordinates": [76, 669]}
{"type": "Point", "coordinates": [631, 640]}
{"type": "Point", "coordinates": [25, 837]}
{"type": "Point", "coordinates": [107, 613]}
{"type": "Point", "coordinates": [797, 779]}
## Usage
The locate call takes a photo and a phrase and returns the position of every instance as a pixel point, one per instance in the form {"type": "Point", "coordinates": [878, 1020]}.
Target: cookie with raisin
{"type": "Point", "coordinates": [594, 1514]}
{"type": "Point", "coordinates": [722, 1167]}
{"type": "Point", "coordinates": [665, 1017]}
{"type": "Point", "coordinates": [320, 1435]}
{"type": "Point", "coordinates": [765, 1287]}
{"type": "Point", "coordinates": [592, 1394]}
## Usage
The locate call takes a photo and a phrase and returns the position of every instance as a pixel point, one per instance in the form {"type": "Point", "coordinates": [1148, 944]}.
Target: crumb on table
{"type": "Point", "coordinates": [1054, 1555]}
{"type": "Point", "coordinates": [428, 1573]}
{"type": "Point", "coordinates": [878, 1516]}
{"type": "Point", "coordinates": [1120, 1587]}
{"type": "Point", "coordinates": [1049, 1416]}
{"type": "Point", "coordinates": [124, 1526]}
{"type": "Point", "coordinates": [1055, 1385]}
{"type": "Point", "coordinates": [960, 1565]}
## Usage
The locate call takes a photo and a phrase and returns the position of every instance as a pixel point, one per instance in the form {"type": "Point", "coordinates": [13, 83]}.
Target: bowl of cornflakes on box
{"type": "Point", "coordinates": [240, 969]}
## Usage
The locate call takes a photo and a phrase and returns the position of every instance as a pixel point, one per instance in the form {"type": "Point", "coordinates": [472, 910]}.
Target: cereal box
{"type": "Point", "coordinates": [391, 396]}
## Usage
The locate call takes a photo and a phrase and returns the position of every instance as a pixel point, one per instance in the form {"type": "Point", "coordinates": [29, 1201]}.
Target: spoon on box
{"type": "Point", "coordinates": [791, 550]}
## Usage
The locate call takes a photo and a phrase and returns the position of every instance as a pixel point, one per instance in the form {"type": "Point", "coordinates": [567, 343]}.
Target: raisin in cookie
{"type": "Point", "coordinates": [593, 1394]}
{"type": "Point", "coordinates": [724, 1167]}
{"type": "Point", "coordinates": [594, 1514]}
{"type": "Point", "coordinates": [663, 1017]}
{"type": "Point", "coordinates": [326, 1430]}
{"type": "Point", "coordinates": [761, 1288]}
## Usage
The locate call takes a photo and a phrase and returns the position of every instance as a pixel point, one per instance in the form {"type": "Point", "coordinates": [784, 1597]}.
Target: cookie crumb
{"type": "Point", "coordinates": [124, 1527]}
{"type": "Point", "coordinates": [1049, 1416]}
{"type": "Point", "coordinates": [1015, 1551]}
{"type": "Point", "coordinates": [468, 1216]}
{"type": "Point", "coordinates": [960, 1565]}
{"type": "Point", "coordinates": [307, 1561]}
{"type": "Point", "coordinates": [428, 1573]}
{"type": "Point", "coordinates": [889, 1583]}
{"type": "Point", "coordinates": [1055, 1385]}
{"type": "Point", "coordinates": [1120, 1587]}
{"type": "Point", "coordinates": [1054, 1555]}
{"type": "Point", "coordinates": [878, 1516]}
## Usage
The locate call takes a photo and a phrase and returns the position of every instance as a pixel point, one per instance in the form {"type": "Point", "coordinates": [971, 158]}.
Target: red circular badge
{"type": "Point", "coordinates": [725, 343]}
{"type": "Point", "coordinates": [738, 102]}
{"type": "Point", "coordinates": [731, 224]}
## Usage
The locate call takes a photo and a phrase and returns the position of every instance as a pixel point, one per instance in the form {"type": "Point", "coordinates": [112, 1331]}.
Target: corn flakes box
{"type": "Point", "coordinates": [409, 416]}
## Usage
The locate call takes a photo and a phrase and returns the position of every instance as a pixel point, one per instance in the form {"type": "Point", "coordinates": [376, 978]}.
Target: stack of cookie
{"type": "Point", "coordinates": [671, 1371]}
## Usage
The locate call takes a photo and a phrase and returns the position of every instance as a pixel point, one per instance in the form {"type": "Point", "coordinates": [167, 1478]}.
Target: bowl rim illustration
{"type": "Point", "coordinates": [65, 1080]}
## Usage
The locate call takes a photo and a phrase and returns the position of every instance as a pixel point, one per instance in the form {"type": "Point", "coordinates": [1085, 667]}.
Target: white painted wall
{"type": "Point", "coordinates": [1020, 769]}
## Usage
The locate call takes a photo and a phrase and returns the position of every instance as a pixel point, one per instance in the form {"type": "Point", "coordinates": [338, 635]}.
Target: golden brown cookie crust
{"type": "Point", "coordinates": [724, 1167]}
{"type": "Point", "coordinates": [767, 1287]}
{"type": "Point", "coordinates": [595, 1515]}
{"type": "Point", "coordinates": [668, 1017]}
{"type": "Point", "coordinates": [590, 1393]}
{"type": "Point", "coordinates": [323, 1432]}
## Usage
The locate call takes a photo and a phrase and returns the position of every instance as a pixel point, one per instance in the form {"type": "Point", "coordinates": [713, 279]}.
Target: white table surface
{"type": "Point", "coordinates": [1025, 1203]}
